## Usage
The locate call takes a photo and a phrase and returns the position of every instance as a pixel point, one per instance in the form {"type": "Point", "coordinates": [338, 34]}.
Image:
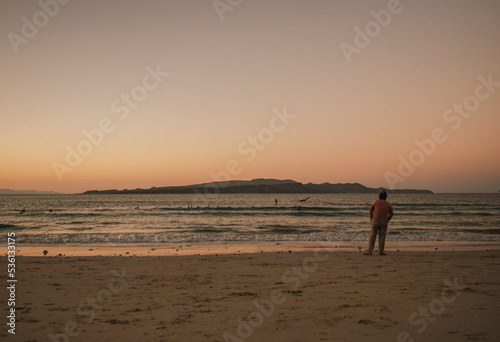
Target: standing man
{"type": "Point", "coordinates": [380, 214]}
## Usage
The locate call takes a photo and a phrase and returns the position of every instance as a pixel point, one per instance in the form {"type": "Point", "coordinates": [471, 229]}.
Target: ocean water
{"type": "Point", "coordinates": [94, 219]}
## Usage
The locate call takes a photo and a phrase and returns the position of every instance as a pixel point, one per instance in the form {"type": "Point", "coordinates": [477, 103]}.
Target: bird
{"type": "Point", "coordinates": [303, 200]}
{"type": "Point", "coordinates": [45, 252]}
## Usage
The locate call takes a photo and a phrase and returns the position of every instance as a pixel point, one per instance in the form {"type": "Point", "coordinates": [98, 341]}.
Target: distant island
{"type": "Point", "coordinates": [257, 186]}
{"type": "Point", "coordinates": [26, 192]}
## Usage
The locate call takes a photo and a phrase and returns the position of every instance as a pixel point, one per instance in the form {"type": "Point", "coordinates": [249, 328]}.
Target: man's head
{"type": "Point", "coordinates": [382, 195]}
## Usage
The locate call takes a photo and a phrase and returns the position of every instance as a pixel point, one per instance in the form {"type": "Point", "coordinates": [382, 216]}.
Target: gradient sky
{"type": "Point", "coordinates": [352, 121]}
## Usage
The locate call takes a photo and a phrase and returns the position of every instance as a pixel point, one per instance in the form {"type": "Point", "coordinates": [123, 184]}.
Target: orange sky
{"type": "Point", "coordinates": [351, 118]}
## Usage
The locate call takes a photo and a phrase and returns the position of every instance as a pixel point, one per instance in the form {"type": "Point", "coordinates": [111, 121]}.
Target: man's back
{"type": "Point", "coordinates": [381, 208]}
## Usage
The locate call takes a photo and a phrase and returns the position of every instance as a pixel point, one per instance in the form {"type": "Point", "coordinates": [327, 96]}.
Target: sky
{"type": "Point", "coordinates": [135, 94]}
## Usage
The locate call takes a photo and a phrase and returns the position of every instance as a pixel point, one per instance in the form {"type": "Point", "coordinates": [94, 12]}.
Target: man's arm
{"type": "Point", "coordinates": [372, 209]}
{"type": "Point", "coordinates": [391, 214]}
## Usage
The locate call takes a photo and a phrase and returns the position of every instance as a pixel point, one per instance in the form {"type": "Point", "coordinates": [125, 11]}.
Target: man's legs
{"type": "Point", "coordinates": [382, 234]}
{"type": "Point", "coordinates": [373, 235]}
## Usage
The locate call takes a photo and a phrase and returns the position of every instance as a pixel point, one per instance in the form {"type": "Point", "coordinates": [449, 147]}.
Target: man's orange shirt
{"type": "Point", "coordinates": [381, 208]}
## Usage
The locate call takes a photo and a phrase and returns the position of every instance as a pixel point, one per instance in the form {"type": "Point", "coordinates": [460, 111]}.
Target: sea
{"type": "Point", "coordinates": [228, 218]}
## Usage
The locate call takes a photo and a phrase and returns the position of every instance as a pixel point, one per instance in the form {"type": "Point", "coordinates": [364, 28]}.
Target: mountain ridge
{"type": "Point", "coordinates": [258, 185]}
{"type": "Point", "coordinates": [27, 192]}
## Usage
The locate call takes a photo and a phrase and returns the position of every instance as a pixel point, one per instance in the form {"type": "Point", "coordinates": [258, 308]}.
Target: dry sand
{"type": "Point", "coordinates": [318, 295]}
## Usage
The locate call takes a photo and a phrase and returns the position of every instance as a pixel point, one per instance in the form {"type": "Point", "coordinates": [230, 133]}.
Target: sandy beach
{"type": "Point", "coordinates": [323, 294]}
{"type": "Point", "coordinates": [189, 248]}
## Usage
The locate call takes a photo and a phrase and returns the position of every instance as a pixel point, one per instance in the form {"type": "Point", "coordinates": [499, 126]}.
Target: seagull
{"type": "Point", "coordinates": [303, 200]}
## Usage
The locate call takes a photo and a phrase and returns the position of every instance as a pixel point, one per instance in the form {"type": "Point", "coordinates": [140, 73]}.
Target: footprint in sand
{"type": "Point", "coordinates": [31, 320]}
{"type": "Point", "coordinates": [476, 336]}
{"type": "Point", "coordinates": [347, 306]}
{"type": "Point", "coordinates": [115, 321]}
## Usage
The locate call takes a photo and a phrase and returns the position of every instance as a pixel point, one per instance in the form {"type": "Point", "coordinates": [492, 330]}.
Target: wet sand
{"type": "Point", "coordinates": [189, 248]}
{"type": "Point", "coordinates": [325, 294]}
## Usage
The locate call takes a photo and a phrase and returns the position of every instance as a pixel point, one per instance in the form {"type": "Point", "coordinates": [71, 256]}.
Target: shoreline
{"type": "Point", "coordinates": [184, 249]}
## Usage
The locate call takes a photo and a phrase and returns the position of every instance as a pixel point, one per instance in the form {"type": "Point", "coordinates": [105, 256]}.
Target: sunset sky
{"type": "Point", "coordinates": [352, 117]}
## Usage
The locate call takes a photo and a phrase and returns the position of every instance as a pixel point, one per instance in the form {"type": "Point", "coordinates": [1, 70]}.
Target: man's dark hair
{"type": "Point", "coordinates": [382, 195]}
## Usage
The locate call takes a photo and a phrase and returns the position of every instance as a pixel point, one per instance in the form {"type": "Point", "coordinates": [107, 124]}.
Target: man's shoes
{"type": "Point", "coordinates": [367, 253]}
{"type": "Point", "coordinates": [383, 253]}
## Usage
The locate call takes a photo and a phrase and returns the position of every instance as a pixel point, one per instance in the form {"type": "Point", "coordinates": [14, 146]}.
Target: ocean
{"type": "Point", "coordinates": [164, 218]}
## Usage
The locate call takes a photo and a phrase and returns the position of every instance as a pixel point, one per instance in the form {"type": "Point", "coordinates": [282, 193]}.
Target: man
{"type": "Point", "coordinates": [380, 214]}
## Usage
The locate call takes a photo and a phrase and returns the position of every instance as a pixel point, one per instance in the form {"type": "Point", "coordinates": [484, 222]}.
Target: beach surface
{"type": "Point", "coordinates": [190, 248]}
{"type": "Point", "coordinates": [319, 294]}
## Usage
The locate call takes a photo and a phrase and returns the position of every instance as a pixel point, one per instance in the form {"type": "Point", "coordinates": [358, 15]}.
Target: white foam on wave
{"type": "Point", "coordinates": [144, 238]}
